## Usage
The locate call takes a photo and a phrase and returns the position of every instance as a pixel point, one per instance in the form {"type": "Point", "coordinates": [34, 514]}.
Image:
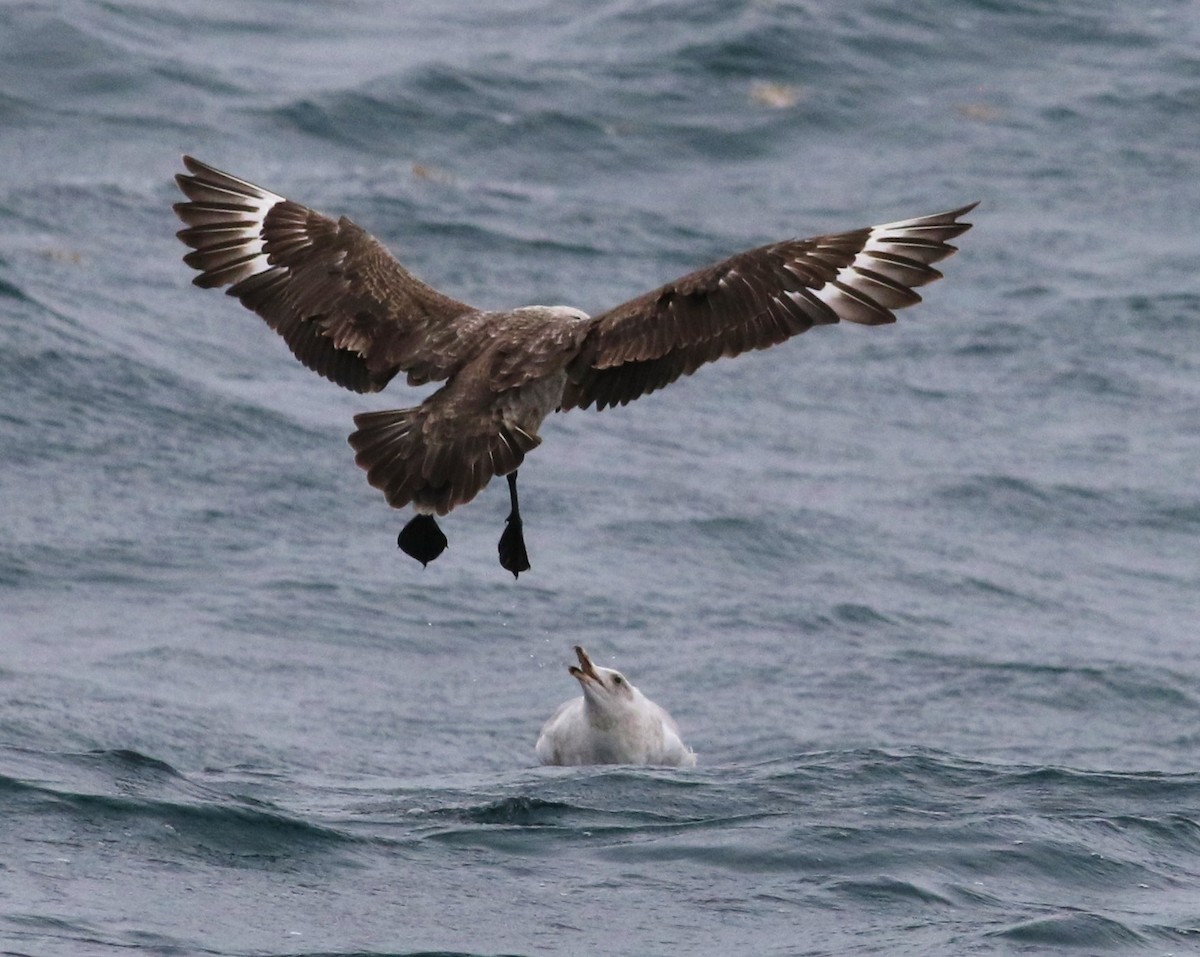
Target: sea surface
{"type": "Point", "coordinates": [925, 598]}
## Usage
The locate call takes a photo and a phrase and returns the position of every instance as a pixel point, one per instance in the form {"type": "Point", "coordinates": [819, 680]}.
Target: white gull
{"type": "Point", "coordinates": [611, 723]}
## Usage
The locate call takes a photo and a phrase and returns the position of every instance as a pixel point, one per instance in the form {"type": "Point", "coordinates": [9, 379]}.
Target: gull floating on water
{"type": "Point", "coordinates": [349, 311]}
{"type": "Point", "coordinates": [612, 723]}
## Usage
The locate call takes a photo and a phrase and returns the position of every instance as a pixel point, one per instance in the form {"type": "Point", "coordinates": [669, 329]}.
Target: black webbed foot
{"type": "Point", "coordinates": [513, 556]}
{"type": "Point", "coordinates": [511, 547]}
{"type": "Point", "coordinates": [422, 539]}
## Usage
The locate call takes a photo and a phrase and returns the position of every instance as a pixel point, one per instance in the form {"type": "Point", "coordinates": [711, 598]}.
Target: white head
{"type": "Point", "coordinates": [604, 689]}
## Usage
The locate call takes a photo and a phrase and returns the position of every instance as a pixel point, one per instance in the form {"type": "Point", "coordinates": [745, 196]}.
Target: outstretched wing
{"type": "Point", "coordinates": [756, 299]}
{"type": "Point", "coordinates": [346, 308]}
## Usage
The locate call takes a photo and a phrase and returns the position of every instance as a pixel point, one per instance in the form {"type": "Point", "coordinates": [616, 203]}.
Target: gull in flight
{"type": "Point", "coordinates": [351, 312]}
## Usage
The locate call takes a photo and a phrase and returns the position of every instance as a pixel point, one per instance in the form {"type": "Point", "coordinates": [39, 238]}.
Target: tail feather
{"type": "Point", "coordinates": [389, 447]}
{"type": "Point", "coordinates": [414, 464]}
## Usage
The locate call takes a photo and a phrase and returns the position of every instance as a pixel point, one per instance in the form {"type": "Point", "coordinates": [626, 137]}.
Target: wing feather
{"type": "Point", "coordinates": [756, 299]}
{"type": "Point", "coordinates": [344, 306]}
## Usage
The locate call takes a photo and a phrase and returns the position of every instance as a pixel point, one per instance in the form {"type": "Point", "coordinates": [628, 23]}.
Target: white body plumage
{"type": "Point", "coordinates": [611, 723]}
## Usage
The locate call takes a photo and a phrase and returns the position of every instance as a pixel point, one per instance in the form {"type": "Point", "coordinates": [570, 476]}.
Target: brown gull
{"type": "Point", "coordinates": [349, 311]}
{"type": "Point", "coordinates": [611, 723]}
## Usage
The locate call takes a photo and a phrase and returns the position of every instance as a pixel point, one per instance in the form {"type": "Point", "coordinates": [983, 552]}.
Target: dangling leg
{"type": "Point", "coordinates": [513, 556]}
{"type": "Point", "coordinates": [422, 539]}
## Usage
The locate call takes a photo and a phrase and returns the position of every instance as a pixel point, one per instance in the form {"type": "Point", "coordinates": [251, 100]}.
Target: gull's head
{"type": "Point", "coordinates": [604, 687]}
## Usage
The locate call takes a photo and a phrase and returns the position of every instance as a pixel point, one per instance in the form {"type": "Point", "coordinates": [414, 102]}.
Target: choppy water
{"type": "Point", "coordinates": [924, 598]}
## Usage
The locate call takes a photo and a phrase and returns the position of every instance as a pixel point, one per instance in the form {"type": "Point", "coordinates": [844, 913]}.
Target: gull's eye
{"type": "Point", "coordinates": [618, 680]}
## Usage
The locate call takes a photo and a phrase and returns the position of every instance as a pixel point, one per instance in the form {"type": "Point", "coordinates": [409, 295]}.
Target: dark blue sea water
{"type": "Point", "coordinates": [924, 598]}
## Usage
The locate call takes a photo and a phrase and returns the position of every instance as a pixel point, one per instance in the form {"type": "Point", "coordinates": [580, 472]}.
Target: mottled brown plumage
{"type": "Point", "coordinates": [349, 311]}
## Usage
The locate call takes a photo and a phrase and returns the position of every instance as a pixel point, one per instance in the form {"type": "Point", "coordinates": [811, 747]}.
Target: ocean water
{"type": "Point", "coordinates": [922, 597]}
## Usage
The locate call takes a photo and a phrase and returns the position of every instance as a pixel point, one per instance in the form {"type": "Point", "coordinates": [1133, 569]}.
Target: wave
{"type": "Point", "coordinates": [915, 832]}
{"type": "Point", "coordinates": [1074, 929]}
{"type": "Point", "coordinates": [151, 806]}
{"type": "Point", "coordinates": [9, 291]}
{"type": "Point", "coordinates": [1027, 503]}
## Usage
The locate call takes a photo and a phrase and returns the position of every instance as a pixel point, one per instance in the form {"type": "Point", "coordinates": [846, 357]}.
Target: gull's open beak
{"type": "Point", "coordinates": [586, 670]}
